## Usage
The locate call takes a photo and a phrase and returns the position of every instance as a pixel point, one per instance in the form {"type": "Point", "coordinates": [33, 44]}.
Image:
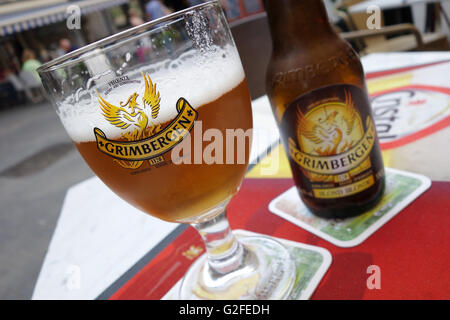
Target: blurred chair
{"type": "Point", "coordinates": [400, 37]}
{"type": "Point", "coordinates": [253, 41]}
{"type": "Point", "coordinates": [31, 86]}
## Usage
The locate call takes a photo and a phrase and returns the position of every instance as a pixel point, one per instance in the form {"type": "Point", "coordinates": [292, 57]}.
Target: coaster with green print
{"type": "Point", "coordinates": [311, 264]}
{"type": "Point", "coordinates": [402, 188]}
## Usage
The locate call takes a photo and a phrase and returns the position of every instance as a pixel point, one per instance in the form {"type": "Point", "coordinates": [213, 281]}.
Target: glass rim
{"type": "Point", "coordinates": [76, 55]}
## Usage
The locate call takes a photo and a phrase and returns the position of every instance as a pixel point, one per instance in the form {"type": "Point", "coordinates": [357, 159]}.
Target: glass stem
{"type": "Point", "coordinates": [225, 253]}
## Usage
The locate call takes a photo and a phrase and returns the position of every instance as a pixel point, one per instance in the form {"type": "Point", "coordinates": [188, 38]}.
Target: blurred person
{"type": "Point", "coordinates": [66, 46]}
{"type": "Point", "coordinates": [155, 9]}
{"type": "Point", "coordinates": [10, 88]}
{"type": "Point", "coordinates": [30, 63]}
{"type": "Point", "coordinates": [44, 54]}
{"type": "Point", "coordinates": [3, 73]}
{"type": "Point", "coordinates": [134, 18]}
{"type": "Point", "coordinates": [14, 61]}
{"type": "Point", "coordinates": [6, 73]}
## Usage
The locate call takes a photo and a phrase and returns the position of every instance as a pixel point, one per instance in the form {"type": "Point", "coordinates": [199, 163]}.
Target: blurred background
{"type": "Point", "coordinates": [38, 162]}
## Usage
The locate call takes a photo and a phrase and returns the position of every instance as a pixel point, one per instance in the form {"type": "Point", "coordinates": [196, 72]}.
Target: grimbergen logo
{"type": "Point", "coordinates": [142, 141]}
{"type": "Point", "coordinates": [337, 163]}
{"type": "Point", "coordinates": [329, 141]}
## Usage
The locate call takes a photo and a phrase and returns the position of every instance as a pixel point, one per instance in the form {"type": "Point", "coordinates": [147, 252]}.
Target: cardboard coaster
{"type": "Point", "coordinates": [402, 188]}
{"type": "Point", "coordinates": [311, 265]}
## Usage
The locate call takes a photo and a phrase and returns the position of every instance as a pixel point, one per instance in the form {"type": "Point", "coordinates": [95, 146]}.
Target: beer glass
{"type": "Point", "coordinates": [161, 113]}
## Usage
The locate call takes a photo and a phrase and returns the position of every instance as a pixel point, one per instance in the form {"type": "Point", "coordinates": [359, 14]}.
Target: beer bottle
{"type": "Point", "coordinates": [316, 86]}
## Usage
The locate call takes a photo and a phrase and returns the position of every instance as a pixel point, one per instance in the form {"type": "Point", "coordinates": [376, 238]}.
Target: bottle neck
{"type": "Point", "coordinates": [297, 22]}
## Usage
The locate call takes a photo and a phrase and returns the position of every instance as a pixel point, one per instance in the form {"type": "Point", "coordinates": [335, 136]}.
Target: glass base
{"type": "Point", "coordinates": [265, 272]}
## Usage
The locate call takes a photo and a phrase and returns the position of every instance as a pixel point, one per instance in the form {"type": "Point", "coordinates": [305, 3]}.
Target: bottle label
{"type": "Point", "coordinates": [330, 135]}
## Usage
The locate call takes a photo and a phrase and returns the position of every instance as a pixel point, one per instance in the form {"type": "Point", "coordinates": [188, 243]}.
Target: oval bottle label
{"type": "Point", "coordinates": [330, 138]}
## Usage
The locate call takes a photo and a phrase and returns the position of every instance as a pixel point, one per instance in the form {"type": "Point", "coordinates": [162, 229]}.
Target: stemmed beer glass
{"type": "Point", "coordinates": [161, 113]}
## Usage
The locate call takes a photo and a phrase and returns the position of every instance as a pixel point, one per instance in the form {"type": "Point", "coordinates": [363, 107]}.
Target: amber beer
{"type": "Point", "coordinates": [318, 94]}
{"type": "Point", "coordinates": [178, 192]}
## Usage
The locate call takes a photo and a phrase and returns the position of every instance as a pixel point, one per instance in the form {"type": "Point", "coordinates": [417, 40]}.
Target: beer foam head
{"type": "Point", "coordinates": [199, 79]}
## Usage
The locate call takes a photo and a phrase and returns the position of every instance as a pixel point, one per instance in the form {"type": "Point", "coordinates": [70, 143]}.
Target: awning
{"type": "Point", "coordinates": [38, 17]}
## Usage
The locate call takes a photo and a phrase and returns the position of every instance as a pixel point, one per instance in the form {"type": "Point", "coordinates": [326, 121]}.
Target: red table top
{"type": "Point", "coordinates": [412, 249]}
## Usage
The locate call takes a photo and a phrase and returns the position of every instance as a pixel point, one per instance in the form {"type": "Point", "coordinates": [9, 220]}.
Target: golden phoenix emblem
{"type": "Point", "coordinates": [329, 129]}
{"type": "Point", "coordinates": [133, 118]}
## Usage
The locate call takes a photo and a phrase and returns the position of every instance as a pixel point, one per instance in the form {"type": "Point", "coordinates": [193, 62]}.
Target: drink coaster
{"type": "Point", "coordinates": [311, 265]}
{"type": "Point", "coordinates": [402, 188]}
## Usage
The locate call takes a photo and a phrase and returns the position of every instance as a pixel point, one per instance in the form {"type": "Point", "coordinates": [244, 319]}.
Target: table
{"type": "Point", "coordinates": [404, 274]}
{"type": "Point", "coordinates": [100, 242]}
